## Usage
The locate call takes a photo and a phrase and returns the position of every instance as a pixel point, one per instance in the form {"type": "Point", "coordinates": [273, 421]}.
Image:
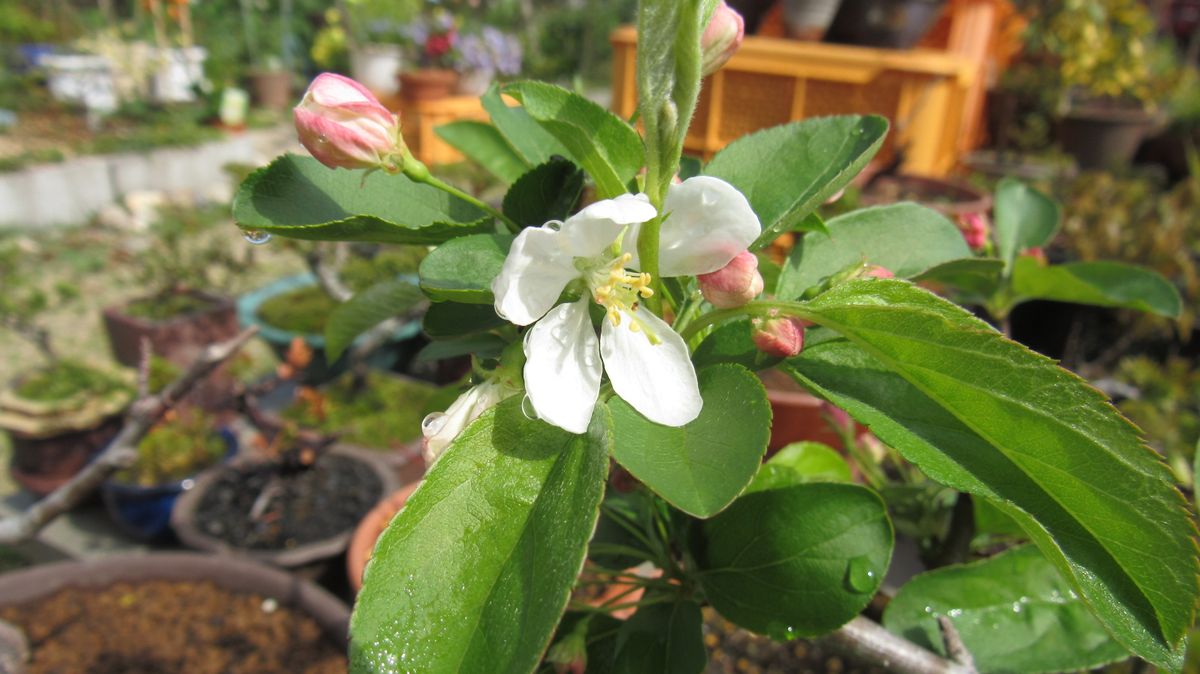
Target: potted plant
{"type": "Point", "coordinates": [180, 313]}
{"type": "Point", "coordinates": [1109, 93]}
{"type": "Point", "coordinates": [299, 307]}
{"type": "Point", "coordinates": [61, 413]}
{"type": "Point", "coordinates": [140, 498]}
{"type": "Point", "coordinates": [174, 612]}
{"type": "Point", "coordinates": [433, 39]}
{"type": "Point", "coordinates": [376, 39]}
{"type": "Point", "coordinates": [295, 508]}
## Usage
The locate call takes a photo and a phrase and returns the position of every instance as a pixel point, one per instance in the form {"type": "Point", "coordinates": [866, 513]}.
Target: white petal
{"type": "Point", "coordinates": [708, 223]}
{"type": "Point", "coordinates": [562, 367]}
{"type": "Point", "coordinates": [595, 228]}
{"type": "Point", "coordinates": [657, 379]}
{"type": "Point", "coordinates": [533, 276]}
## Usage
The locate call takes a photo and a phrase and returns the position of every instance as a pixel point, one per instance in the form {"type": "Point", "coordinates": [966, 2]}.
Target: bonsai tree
{"type": "Point", "coordinates": [628, 329]}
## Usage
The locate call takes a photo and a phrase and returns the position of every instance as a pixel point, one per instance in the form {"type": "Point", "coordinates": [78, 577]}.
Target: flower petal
{"type": "Point", "coordinates": [534, 274]}
{"type": "Point", "coordinates": [708, 223]}
{"type": "Point", "coordinates": [657, 379]}
{"type": "Point", "coordinates": [593, 229]}
{"type": "Point", "coordinates": [562, 367]}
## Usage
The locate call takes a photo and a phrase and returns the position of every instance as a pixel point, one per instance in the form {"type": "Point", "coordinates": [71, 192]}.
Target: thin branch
{"type": "Point", "coordinates": [122, 451]}
{"type": "Point", "coordinates": [955, 647]}
{"type": "Point", "coordinates": [865, 640]}
{"type": "Point", "coordinates": [145, 353]}
{"type": "Point", "coordinates": [327, 272]}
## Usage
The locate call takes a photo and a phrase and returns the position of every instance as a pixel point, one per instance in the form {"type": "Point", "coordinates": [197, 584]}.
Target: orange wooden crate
{"type": "Point", "coordinates": [770, 81]}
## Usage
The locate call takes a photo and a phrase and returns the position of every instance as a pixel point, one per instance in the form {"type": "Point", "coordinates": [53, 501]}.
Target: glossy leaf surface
{"type": "Point", "coordinates": [462, 270]}
{"type": "Point", "coordinates": [1105, 284]}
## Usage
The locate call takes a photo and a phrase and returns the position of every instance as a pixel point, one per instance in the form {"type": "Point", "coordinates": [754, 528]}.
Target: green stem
{"type": "Point", "coordinates": [766, 308]}
{"type": "Point", "coordinates": [418, 172]}
{"type": "Point", "coordinates": [647, 245]}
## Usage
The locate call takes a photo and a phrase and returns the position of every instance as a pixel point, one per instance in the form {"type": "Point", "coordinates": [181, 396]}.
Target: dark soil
{"type": "Point", "coordinates": [301, 506]}
{"type": "Point", "coordinates": [164, 627]}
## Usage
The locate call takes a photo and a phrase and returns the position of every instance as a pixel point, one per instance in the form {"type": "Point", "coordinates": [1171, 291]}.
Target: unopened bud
{"type": "Point", "coordinates": [721, 38]}
{"type": "Point", "coordinates": [875, 271]}
{"type": "Point", "coordinates": [734, 284]}
{"type": "Point", "coordinates": [975, 229]}
{"type": "Point", "coordinates": [343, 125]}
{"type": "Point", "coordinates": [441, 428]}
{"type": "Point", "coordinates": [779, 337]}
{"type": "Point", "coordinates": [1037, 254]}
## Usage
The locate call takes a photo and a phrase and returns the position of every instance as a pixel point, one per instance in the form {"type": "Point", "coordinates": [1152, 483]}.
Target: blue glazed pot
{"type": "Point", "coordinates": [319, 371]}
{"type": "Point", "coordinates": [145, 512]}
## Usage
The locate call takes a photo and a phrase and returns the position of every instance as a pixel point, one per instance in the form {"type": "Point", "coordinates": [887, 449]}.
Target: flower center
{"type": "Point", "coordinates": [616, 289]}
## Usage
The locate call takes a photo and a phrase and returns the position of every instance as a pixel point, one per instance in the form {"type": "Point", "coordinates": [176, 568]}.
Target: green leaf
{"type": "Point", "coordinates": [796, 561]}
{"type": "Point", "coordinates": [365, 310]}
{"type": "Point", "coordinates": [801, 462]}
{"type": "Point", "coordinates": [533, 143]}
{"type": "Point", "coordinates": [455, 319]}
{"type": "Point", "coordinates": [668, 81]}
{"type": "Point", "coordinates": [1014, 612]}
{"type": "Point", "coordinates": [662, 639]}
{"type": "Point", "coordinates": [732, 343]}
{"type": "Point", "coordinates": [809, 162]}
{"type": "Point", "coordinates": [985, 415]}
{"type": "Point", "coordinates": [462, 270]}
{"type": "Point", "coordinates": [701, 467]}
{"type": "Point", "coordinates": [485, 145]}
{"type": "Point", "coordinates": [463, 579]}
{"type": "Point", "coordinates": [299, 198]}
{"type": "Point", "coordinates": [548, 192]}
{"type": "Point", "coordinates": [603, 144]}
{"type": "Point", "coordinates": [1105, 284]}
{"type": "Point", "coordinates": [480, 346]}
{"type": "Point", "coordinates": [1025, 218]}
{"type": "Point", "coordinates": [977, 277]}
{"type": "Point", "coordinates": [907, 239]}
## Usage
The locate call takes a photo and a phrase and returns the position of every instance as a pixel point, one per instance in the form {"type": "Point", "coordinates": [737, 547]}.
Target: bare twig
{"type": "Point", "coordinates": [867, 641]}
{"type": "Point", "coordinates": [955, 647]}
{"type": "Point", "coordinates": [122, 451]}
{"type": "Point", "coordinates": [145, 352]}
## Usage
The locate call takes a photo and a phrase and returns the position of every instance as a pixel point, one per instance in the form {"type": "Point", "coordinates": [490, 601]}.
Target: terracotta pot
{"type": "Point", "coordinates": [333, 616]}
{"type": "Point", "coordinates": [428, 84]}
{"type": "Point", "coordinates": [1101, 137]}
{"type": "Point", "coordinates": [795, 414]}
{"type": "Point", "coordinates": [362, 543]}
{"type": "Point", "coordinates": [183, 519]}
{"type": "Point", "coordinates": [272, 89]}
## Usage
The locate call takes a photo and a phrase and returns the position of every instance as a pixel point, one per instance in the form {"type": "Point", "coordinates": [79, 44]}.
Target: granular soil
{"type": "Point", "coordinates": [170, 627]}
{"type": "Point", "coordinates": [302, 505]}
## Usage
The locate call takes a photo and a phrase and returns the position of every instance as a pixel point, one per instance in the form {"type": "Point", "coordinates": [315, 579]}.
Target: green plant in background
{"type": "Point", "coordinates": [19, 24]}
{"type": "Point", "coordinates": [611, 349]}
{"type": "Point", "coordinates": [375, 411]}
{"type": "Point", "coordinates": [1133, 218]}
{"type": "Point", "coordinates": [1166, 407]}
{"type": "Point", "coordinates": [182, 445]}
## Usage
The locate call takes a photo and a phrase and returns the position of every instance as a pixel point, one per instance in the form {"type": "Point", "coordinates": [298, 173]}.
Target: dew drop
{"type": "Point", "coordinates": [256, 236]}
{"type": "Point", "coordinates": [322, 139]}
{"type": "Point", "coordinates": [433, 423]}
{"type": "Point", "coordinates": [860, 577]}
{"type": "Point", "coordinates": [527, 408]}
{"type": "Point", "coordinates": [1016, 607]}
{"type": "Point", "coordinates": [554, 225]}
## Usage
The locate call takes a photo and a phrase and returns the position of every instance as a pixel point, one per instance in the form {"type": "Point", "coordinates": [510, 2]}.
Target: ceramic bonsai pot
{"type": "Point", "coordinates": [1101, 137]}
{"type": "Point", "coordinates": [427, 84]}
{"type": "Point", "coordinates": [178, 339]}
{"type": "Point", "coordinates": [362, 543]}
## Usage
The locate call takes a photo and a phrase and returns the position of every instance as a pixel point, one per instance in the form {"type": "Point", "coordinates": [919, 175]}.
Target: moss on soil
{"type": "Point", "coordinates": [65, 379]}
{"type": "Point", "coordinates": [383, 413]}
{"type": "Point", "coordinates": [178, 448]}
{"type": "Point", "coordinates": [168, 306]}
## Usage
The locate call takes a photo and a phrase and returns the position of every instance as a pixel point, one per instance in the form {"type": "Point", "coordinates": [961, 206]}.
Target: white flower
{"type": "Point", "coordinates": [441, 428]}
{"type": "Point", "coordinates": [708, 223]}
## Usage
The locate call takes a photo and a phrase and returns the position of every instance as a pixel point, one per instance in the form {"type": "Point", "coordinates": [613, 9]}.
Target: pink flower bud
{"type": "Point", "coordinates": [975, 229]}
{"type": "Point", "coordinates": [721, 38]}
{"type": "Point", "coordinates": [1037, 254]}
{"type": "Point", "coordinates": [734, 284]}
{"type": "Point", "coordinates": [780, 337]}
{"type": "Point", "coordinates": [875, 271]}
{"type": "Point", "coordinates": [343, 125]}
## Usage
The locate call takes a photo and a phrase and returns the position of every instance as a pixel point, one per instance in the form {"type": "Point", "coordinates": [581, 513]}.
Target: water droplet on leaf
{"type": "Point", "coordinates": [257, 236]}
{"type": "Point", "coordinates": [860, 577]}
